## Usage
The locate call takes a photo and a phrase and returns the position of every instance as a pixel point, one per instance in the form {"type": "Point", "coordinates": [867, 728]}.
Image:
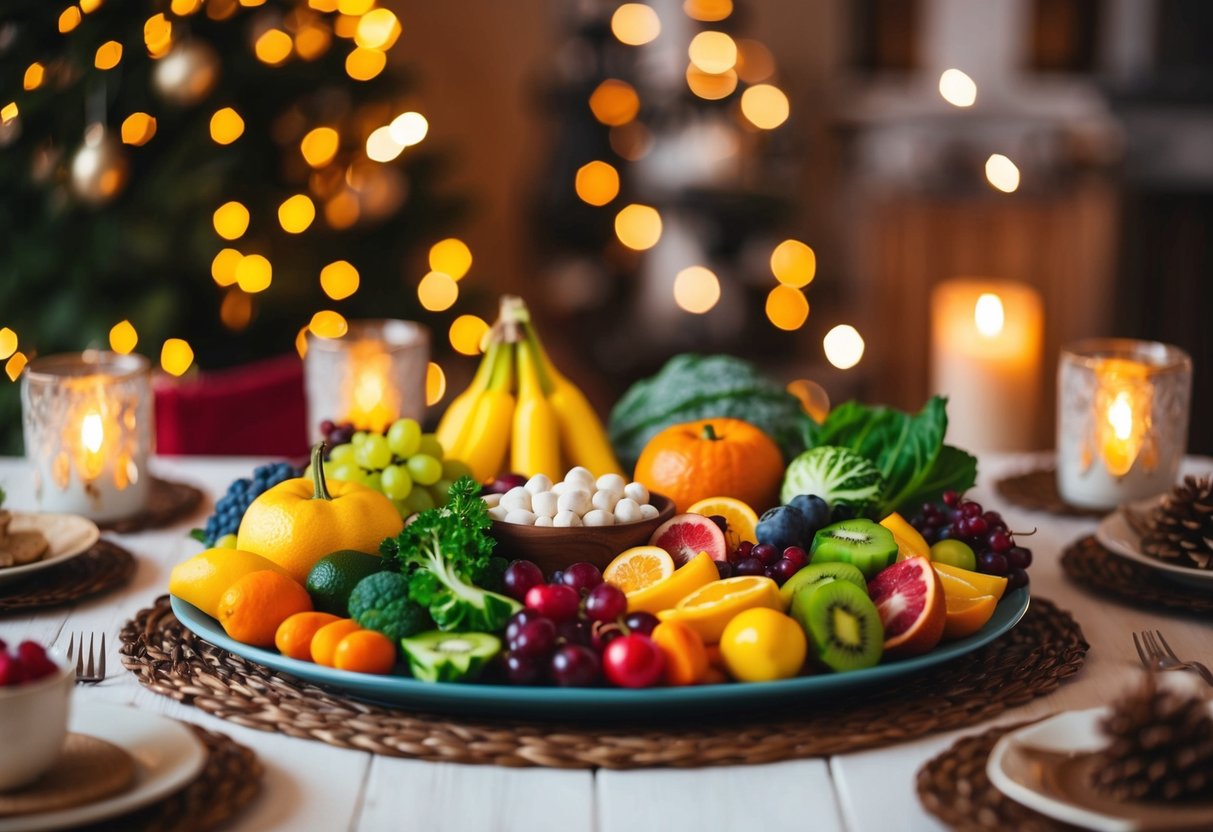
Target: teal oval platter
{"type": "Point", "coordinates": [533, 702]}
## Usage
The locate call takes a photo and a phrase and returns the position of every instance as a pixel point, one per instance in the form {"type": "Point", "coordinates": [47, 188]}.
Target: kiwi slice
{"type": "Point", "coordinates": [436, 656]}
{"type": "Point", "coordinates": [866, 545]}
{"type": "Point", "coordinates": [842, 623]}
{"type": "Point", "coordinates": [815, 573]}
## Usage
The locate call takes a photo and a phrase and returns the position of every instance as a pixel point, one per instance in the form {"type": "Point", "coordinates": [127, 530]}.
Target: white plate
{"type": "Point", "coordinates": [69, 535]}
{"type": "Point", "coordinates": [1115, 533]}
{"type": "Point", "coordinates": [1046, 767]}
{"type": "Point", "coordinates": [167, 756]}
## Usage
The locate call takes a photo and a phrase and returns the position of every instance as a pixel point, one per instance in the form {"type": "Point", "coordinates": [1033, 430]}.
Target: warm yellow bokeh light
{"type": "Point", "coordinates": [8, 112]}
{"type": "Point", "coordinates": [708, 11]}
{"type": "Point", "coordinates": [755, 62]}
{"type": "Point", "coordinates": [364, 64]}
{"type": "Point", "coordinates": [296, 214]}
{"type": "Point", "coordinates": [843, 346]}
{"type": "Point", "coordinates": [312, 41]}
{"type": "Point", "coordinates": [138, 129]}
{"type": "Point", "coordinates": [108, 56]}
{"type": "Point", "coordinates": [381, 146]}
{"type": "Point", "coordinates": [793, 263]}
{"type": "Point", "coordinates": [638, 226]}
{"type": "Point", "coordinates": [466, 333]}
{"type": "Point", "coordinates": [409, 128]}
{"type": "Point", "coordinates": [343, 210]}
{"type": "Point", "coordinates": [322, 6]}
{"type": "Point", "coordinates": [345, 26]}
{"type": "Point", "coordinates": [15, 365]}
{"type": "Point", "coordinates": [437, 291]}
{"type": "Point", "coordinates": [183, 8]}
{"type": "Point", "coordinates": [339, 279]}
{"type": "Point", "coordinates": [223, 267]}
{"type": "Point", "coordinates": [696, 289]}
{"type": "Point", "coordinates": [614, 102]}
{"type": "Point", "coordinates": [709, 86]}
{"type": "Point", "coordinates": [89, 6]}
{"type": "Point", "coordinates": [451, 256]}
{"type": "Point", "coordinates": [765, 106]}
{"type": "Point", "coordinates": [435, 384]}
{"type": "Point", "coordinates": [301, 342]}
{"type": "Point", "coordinates": [236, 310]}
{"type": "Point", "coordinates": [713, 52]}
{"type": "Point", "coordinates": [221, 9]}
{"type": "Point", "coordinates": [252, 4]}
{"type": "Point", "coordinates": [254, 273]}
{"type": "Point", "coordinates": [35, 74]}
{"type": "Point", "coordinates": [1002, 173]}
{"type": "Point", "coordinates": [328, 324]}
{"type": "Point", "coordinates": [273, 47]}
{"type": "Point", "coordinates": [319, 146]}
{"type": "Point", "coordinates": [787, 308]}
{"type": "Point", "coordinates": [226, 126]}
{"type": "Point", "coordinates": [635, 24]}
{"type": "Point", "coordinates": [8, 343]}
{"type": "Point", "coordinates": [176, 356]}
{"type": "Point", "coordinates": [957, 88]}
{"type": "Point", "coordinates": [69, 19]}
{"type": "Point", "coordinates": [158, 35]}
{"type": "Point", "coordinates": [597, 183]}
{"type": "Point", "coordinates": [231, 220]}
{"type": "Point", "coordinates": [377, 29]}
{"type": "Point", "coordinates": [354, 7]}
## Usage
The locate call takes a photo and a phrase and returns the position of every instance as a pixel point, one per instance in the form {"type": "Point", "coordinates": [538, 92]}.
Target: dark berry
{"type": "Point", "coordinates": [581, 576]}
{"type": "Point", "coordinates": [816, 511]}
{"type": "Point", "coordinates": [521, 670]}
{"type": "Point", "coordinates": [970, 509]}
{"type": "Point", "coordinates": [574, 631]}
{"type": "Point", "coordinates": [724, 569]}
{"type": "Point", "coordinates": [641, 622]}
{"type": "Point", "coordinates": [766, 553]}
{"type": "Point", "coordinates": [796, 555]}
{"type": "Point", "coordinates": [1019, 558]}
{"type": "Point", "coordinates": [749, 566]}
{"type": "Point", "coordinates": [992, 563]}
{"type": "Point", "coordinates": [784, 569]}
{"type": "Point", "coordinates": [999, 541]}
{"type": "Point", "coordinates": [721, 522]}
{"type": "Point", "coordinates": [1017, 578]}
{"type": "Point", "coordinates": [951, 499]}
{"type": "Point", "coordinates": [606, 602]}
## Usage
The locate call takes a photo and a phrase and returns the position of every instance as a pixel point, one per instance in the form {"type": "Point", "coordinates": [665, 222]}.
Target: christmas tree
{"type": "Point", "coordinates": [213, 172]}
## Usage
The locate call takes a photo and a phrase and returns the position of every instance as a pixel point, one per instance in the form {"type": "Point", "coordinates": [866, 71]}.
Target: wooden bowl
{"type": "Point", "coordinates": [553, 548]}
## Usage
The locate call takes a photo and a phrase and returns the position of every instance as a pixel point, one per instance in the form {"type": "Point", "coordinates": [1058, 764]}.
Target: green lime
{"type": "Point", "coordinates": [954, 553]}
{"type": "Point", "coordinates": [334, 577]}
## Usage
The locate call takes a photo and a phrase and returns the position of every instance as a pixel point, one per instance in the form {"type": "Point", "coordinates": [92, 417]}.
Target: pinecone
{"type": "Point", "coordinates": [1180, 530]}
{"type": "Point", "coordinates": [1161, 747]}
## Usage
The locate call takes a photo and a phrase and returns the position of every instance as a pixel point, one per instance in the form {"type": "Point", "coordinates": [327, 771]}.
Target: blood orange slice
{"type": "Point", "coordinates": [686, 535]}
{"type": "Point", "coordinates": [911, 604]}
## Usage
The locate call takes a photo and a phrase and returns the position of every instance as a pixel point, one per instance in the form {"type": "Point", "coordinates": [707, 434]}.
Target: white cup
{"type": "Point", "coordinates": [33, 724]}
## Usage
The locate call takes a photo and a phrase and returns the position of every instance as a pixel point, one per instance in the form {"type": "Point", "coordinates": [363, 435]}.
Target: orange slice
{"type": "Point", "coordinates": [698, 571]}
{"type": "Point", "coordinates": [910, 543]}
{"type": "Point", "coordinates": [967, 615]}
{"type": "Point", "coordinates": [742, 519]}
{"type": "Point", "coordinates": [639, 567]}
{"type": "Point", "coordinates": [709, 609]}
{"type": "Point", "coordinates": [965, 584]}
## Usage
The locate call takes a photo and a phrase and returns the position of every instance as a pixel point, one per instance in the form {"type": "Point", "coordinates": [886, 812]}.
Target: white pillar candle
{"type": "Point", "coordinates": [985, 357]}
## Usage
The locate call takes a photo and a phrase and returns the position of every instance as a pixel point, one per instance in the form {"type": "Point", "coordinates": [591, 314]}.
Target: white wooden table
{"type": "Point", "coordinates": [312, 786]}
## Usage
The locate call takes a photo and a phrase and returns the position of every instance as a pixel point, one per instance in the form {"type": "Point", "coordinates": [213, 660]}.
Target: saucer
{"type": "Point", "coordinates": [68, 536]}
{"type": "Point", "coordinates": [1118, 535]}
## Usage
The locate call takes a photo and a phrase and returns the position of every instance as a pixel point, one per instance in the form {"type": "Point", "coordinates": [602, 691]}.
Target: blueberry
{"type": "Point", "coordinates": [816, 511]}
{"type": "Point", "coordinates": [782, 527]}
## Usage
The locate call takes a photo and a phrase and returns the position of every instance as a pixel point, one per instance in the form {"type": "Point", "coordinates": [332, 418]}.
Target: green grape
{"type": "Point", "coordinates": [419, 500]}
{"type": "Point", "coordinates": [403, 437]}
{"type": "Point", "coordinates": [439, 497]}
{"type": "Point", "coordinates": [374, 453]}
{"type": "Point", "coordinates": [402, 508]}
{"type": "Point", "coordinates": [396, 482]}
{"type": "Point", "coordinates": [453, 469]}
{"type": "Point", "coordinates": [373, 481]}
{"type": "Point", "coordinates": [358, 438]}
{"type": "Point", "coordinates": [441, 491]}
{"type": "Point", "coordinates": [346, 471]}
{"type": "Point", "coordinates": [342, 453]}
{"type": "Point", "coordinates": [425, 469]}
{"type": "Point", "coordinates": [430, 446]}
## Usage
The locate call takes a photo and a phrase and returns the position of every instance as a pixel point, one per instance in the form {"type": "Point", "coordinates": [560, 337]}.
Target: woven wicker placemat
{"type": "Point", "coordinates": [167, 502]}
{"type": "Point", "coordinates": [1037, 490]}
{"type": "Point", "coordinates": [1093, 567]}
{"type": "Point", "coordinates": [103, 567]}
{"type": "Point", "coordinates": [1030, 661]}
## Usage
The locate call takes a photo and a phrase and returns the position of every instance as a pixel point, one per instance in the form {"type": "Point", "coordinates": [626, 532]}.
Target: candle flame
{"type": "Point", "coordinates": [988, 314]}
{"type": "Point", "coordinates": [1120, 416]}
{"type": "Point", "coordinates": [92, 434]}
{"type": "Point", "coordinates": [368, 389]}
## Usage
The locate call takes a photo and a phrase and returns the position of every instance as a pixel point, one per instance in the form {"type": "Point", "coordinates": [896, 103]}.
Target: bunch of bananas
{"type": "Point", "coordinates": [520, 410]}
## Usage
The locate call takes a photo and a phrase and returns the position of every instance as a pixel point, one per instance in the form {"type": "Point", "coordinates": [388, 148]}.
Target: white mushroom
{"type": "Point", "coordinates": [492, 500]}
{"type": "Point", "coordinates": [538, 484]}
{"type": "Point", "coordinates": [605, 500]}
{"type": "Point", "coordinates": [598, 517]}
{"type": "Point", "coordinates": [521, 516]}
{"type": "Point", "coordinates": [544, 504]}
{"type": "Point", "coordinates": [637, 492]}
{"type": "Point", "coordinates": [498, 513]}
{"type": "Point", "coordinates": [580, 477]}
{"type": "Point", "coordinates": [516, 498]}
{"type": "Point", "coordinates": [648, 512]}
{"type": "Point", "coordinates": [575, 500]}
{"type": "Point", "coordinates": [627, 511]}
{"type": "Point", "coordinates": [540, 520]}
{"type": "Point", "coordinates": [611, 482]}
{"type": "Point", "coordinates": [566, 519]}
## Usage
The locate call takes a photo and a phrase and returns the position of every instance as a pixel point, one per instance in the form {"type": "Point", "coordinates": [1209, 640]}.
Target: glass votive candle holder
{"type": "Point", "coordinates": [371, 376]}
{"type": "Point", "coordinates": [88, 432]}
{"type": "Point", "coordinates": [1122, 420]}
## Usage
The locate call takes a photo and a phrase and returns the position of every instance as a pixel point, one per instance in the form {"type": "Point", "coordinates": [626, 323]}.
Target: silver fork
{"type": "Point", "coordinates": [1158, 655]}
{"type": "Point", "coordinates": [92, 673]}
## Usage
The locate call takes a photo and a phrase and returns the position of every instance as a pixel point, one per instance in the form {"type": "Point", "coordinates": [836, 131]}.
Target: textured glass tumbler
{"type": "Point", "coordinates": [1122, 420]}
{"type": "Point", "coordinates": [371, 376]}
{"type": "Point", "coordinates": [88, 432]}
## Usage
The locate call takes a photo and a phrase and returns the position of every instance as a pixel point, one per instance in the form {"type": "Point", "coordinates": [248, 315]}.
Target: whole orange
{"type": "Point", "coordinates": [328, 637]}
{"type": "Point", "coordinates": [251, 609]}
{"type": "Point", "coordinates": [365, 651]}
{"type": "Point", "coordinates": [712, 458]}
{"type": "Point", "coordinates": [294, 635]}
{"type": "Point", "coordinates": [299, 521]}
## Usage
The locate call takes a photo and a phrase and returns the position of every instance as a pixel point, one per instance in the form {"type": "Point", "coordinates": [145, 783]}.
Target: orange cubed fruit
{"type": "Point", "coordinates": [686, 657]}
{"type": "Point", "coordinates": [294, 636]}
{"type": "Point", "coordinates": [328, 637]}
{"type": "Point", "coordinates": [252, 608]}
{"type": "Point", "coordinates": [365, 651]}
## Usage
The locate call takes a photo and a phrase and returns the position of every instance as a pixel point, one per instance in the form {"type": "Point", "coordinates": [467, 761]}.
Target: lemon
{"type": "Point", "coordinates": [204, 578]}
{"type": "Point", "coordinates": [710, 608]}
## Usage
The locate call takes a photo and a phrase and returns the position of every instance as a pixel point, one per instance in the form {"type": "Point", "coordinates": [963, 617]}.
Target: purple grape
{"type": "Point", "coordinates": [1017, 578]}
{"type": "Point", "coordinates": [999, 541]}
{"type": "Point", "coordinates": [520, 670]}
{"type": "Point", "coordinates": [796, 555]}
{"type": "Point", "coordinates": [519, 577]}
{"type": "Point", "coordinates": [766, 553]}
{"type": "Point", "coordinates": [581, 576]}
{"type": "Point", "coordinates": [749, 566]}
{"type": "Point", "coordinates": [574, 631]}
{"type": "Point", "coordinates": [341, 435]}
{"type": "Point", "coordinates": [574, 666]}
{"type": "Point", "coordinates": [741, 552]}
{"type": "Point", "coordinates": [970, 509]}
{"type": "Point", "coordinates": [992, 563]}
{"type": "Point", "coordinates": [724, 569]}
{"type": "Point", "coordinates": [535, 639]}
{"type": "Point", "coordinates": [995, 520]}
{"type": "Point", "coordinates": [1019, 558]}
{"type": "Point", "coordinates": [606, 602]}
{"type": "Point", "coordinates": [641, 622]}
{"type": "Point", "coordinates": [504, 483]}
{"type": "Point", "coordinates": [976, 526]}
{"type": "Point", "coordinates": [951, 499]}
{"type": "Point", "coordinates": [721, 522]}
{"type": "Point", "coordinates": [519, 620]}
{"type": "Point", "coordinates": [326, 427]}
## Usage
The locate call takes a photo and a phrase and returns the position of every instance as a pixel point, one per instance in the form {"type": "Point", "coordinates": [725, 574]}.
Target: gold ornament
{"type": "Point", "coordinates": [186, 74]}
{"type": "Point", "coordinates": [100, 166]}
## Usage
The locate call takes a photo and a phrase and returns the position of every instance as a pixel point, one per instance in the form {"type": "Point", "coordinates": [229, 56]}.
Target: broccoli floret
{"type": "Point", "coordinates": [381, 602]}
